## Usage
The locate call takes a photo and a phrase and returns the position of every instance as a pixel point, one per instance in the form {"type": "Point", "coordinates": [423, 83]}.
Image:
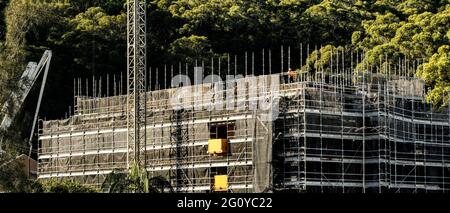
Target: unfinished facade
{"type": "Point", "coordinates": [333, 131]}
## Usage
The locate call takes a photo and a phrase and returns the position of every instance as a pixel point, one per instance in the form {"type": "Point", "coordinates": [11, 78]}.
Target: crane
{"type": "Point", "coordinates": [16, 98]}
{"type": "Point", "coordinates": [136, 70]}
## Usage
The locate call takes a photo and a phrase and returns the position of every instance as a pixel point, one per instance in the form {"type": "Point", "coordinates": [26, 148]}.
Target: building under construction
{"type": "Point", "coordinates": [332, 129]}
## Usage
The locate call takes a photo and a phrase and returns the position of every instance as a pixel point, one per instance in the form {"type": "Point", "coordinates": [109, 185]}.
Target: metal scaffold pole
{"type": "Point", "coordinates": [344, 125]}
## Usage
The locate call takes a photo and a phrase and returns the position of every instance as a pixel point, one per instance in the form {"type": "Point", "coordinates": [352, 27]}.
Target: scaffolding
{"type": "Point", "coordinates": [339, 128]}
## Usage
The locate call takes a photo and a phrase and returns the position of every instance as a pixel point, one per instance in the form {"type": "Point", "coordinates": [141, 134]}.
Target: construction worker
{"type": "Point", "coordinates": [291, 75]}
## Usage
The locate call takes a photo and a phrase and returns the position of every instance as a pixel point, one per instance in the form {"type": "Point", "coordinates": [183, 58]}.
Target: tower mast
{"type": "Point", "coordinates": [136, 70]}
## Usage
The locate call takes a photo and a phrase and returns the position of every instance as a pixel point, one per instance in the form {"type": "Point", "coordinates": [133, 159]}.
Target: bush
{"type": "Point", "coordinates": [62, 186]}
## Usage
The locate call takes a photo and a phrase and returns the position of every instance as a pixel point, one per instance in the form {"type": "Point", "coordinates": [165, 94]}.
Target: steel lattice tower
{"type": "Point", "coordinates": [136, 69]}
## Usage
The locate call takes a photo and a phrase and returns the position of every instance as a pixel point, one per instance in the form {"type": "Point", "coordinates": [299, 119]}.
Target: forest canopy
{"type": "Point", "coordinates": [88, 37]}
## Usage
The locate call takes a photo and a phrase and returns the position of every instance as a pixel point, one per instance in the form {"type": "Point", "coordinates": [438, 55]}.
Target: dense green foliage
{"type": "Point", "coordinates": [13, 179]}
{"type": "Point", "coordinates": [89, 36]}
{"type": "Point", "coordinates": [61, 186]}
{"type": "Point", "coordinates": [135, 181]}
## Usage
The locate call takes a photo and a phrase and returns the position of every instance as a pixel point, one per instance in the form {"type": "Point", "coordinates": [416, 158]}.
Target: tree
{"type": "Point", "coordinates": [112, 7]}
{"type": "Point", "coordinates": [320, 60]}
{"type": "Point", "coordinates": [12, 177]}
{"type": "Point", "coordinates": [376, 32]}
{"type": "Point", "coordinates": [436, 73]}
{"type": "Point", "coordinates": [90, 37]}
{"type": "Point", "coordinates": [190, 48]}
{"type": "Point", "coordinates": [411, 7]}
{"type": "Point", "coordinates": [418, 35]}
{"type": "Point", "coordinates": [332, 22]}
{"type": "Point", "coordinates": [3, 4]}
{"type": "Point", "coordinates": [26, 23]}
{"type": "Point", "coordinates": [225, 22]}
{"type": "Point", "coordinates": [61, 186]}
{"type": "Point", "coordinates": [135, 181]}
